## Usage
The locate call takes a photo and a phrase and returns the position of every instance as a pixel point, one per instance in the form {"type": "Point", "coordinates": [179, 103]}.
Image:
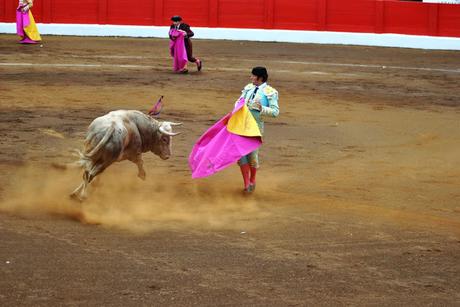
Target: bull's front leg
{"type": "Point", "coordinates": [140, 166]}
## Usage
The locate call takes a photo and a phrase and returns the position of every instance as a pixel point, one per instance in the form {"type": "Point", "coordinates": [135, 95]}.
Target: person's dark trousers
{"type": "Point", "coordinates": [189, 48]}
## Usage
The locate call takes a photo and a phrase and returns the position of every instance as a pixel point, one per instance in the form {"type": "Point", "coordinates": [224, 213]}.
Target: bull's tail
{"type": "Point", "coordinates": [77, 164]}
{"type": "Point", "coordinates": [84, 159]}
{"type": "Point", "coordinates": [104, 140]}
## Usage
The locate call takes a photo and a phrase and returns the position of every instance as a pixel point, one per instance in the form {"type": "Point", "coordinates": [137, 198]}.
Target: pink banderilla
{"type": "Point", "coordinates": [156, 109]}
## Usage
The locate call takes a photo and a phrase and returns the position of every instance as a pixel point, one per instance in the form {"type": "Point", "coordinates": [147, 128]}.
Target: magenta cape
{"type": "Point", "coordinates": [22, 21]}
{"type": "Point", "coordinates": [218, 148]}
{"type": "Point", "coordinates": [177, 49]}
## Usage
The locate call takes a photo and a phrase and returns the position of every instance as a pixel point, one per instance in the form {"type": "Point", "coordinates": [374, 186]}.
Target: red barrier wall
{"type": "Point", "coordinates": [373, 16]}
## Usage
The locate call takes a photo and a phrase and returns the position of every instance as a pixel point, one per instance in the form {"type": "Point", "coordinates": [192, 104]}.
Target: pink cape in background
{"type": "Point", "coordinates": [177, 49]}
{"type": "Point", "coordinates": [218, 148]}
{"type": "Point", "coordinates": [26, 27]}
{"type": "Point", "coordinates": [22, 21]}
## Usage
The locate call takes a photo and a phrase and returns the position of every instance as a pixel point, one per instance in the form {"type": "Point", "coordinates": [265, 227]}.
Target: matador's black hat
{"type": "Point", "coordinates": [176, 18]}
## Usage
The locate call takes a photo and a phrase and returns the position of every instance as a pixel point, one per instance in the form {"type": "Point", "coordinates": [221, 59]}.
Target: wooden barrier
{"type": "Point", "coordinates": [366, 16]}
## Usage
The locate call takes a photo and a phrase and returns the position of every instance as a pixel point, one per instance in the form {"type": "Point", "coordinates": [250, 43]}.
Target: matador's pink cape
{"type": "Point", "coordinates": [231, 138]}
{"type": "Point", "coordinates": [177, 49]}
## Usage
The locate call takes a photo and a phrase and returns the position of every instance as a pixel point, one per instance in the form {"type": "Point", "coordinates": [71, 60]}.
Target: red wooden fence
{"type": "Point", "coordinates": [373, 16]}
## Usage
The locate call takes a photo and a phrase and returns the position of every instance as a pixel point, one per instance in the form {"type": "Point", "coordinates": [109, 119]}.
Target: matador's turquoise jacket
{"type": "Point", "coordinates": [267, 97]}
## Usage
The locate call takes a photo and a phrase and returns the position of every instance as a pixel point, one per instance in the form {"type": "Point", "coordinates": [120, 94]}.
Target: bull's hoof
{"type": "Point", "coordinates": [75, 196]}
{"type": "Point", "coordinates": [142, 176]}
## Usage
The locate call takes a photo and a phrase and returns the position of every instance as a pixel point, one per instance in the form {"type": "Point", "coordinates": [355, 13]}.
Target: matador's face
{"type": "Point", "coordinates": [256, 80]}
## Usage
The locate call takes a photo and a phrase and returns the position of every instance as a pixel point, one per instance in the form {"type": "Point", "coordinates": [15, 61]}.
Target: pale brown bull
{"type": "Point", "coordinates": [122, 135]}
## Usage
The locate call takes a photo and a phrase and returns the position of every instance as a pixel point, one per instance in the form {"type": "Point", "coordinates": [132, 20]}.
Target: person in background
{"type": "Point", "coordinates": [25, 23]}
{"type": "Point", "coordinates": [185, 28]}
{"type": "Point", "coordinates": [177, 50]}
{"type": "Point", "coordinates": [262, 101]}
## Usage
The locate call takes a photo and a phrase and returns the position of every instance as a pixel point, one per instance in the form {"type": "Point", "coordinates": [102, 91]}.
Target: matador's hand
{"type": "Point", "coordinates": [257, 105]}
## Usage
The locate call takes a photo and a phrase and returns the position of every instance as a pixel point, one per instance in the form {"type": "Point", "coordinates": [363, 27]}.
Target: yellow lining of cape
{"type": "Point", "coordinates": [31, 30]}
{"type": "Point", "coordinates": [243, 123]}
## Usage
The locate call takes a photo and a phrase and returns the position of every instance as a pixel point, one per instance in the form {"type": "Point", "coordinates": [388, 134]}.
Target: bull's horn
{"type": "Point", "coordinates": [162, 130]}
{"type": "Point", "coordinates": [175, 124]}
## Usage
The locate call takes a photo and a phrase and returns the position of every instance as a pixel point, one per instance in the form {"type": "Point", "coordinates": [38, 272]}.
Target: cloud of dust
{"type": "Point", "coordinates": [117, 198]}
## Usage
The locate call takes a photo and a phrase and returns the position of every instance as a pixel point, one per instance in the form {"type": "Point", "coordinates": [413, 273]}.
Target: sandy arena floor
{"type": "Point", "coordinates": [358, 199]}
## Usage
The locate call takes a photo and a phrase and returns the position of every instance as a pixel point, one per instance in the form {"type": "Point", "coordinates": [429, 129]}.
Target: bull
{"type": "Point", "coordinates": [122, 135]}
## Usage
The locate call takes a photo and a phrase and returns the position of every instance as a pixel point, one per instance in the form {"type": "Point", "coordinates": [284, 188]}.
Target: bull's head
{"type": "Point", "coordinates": [165, 139]}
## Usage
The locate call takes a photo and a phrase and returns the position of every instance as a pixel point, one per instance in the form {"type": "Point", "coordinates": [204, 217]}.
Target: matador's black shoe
{"type": "Point", "coordinates": [251, 188]}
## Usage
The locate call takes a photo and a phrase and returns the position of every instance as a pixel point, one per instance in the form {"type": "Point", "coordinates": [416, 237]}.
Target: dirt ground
{"type": "Point", "coordinates": [357, 202]}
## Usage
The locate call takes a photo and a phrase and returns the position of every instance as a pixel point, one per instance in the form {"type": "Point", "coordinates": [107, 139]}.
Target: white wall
{"type": "Point", "coordinates": [318, 37]}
